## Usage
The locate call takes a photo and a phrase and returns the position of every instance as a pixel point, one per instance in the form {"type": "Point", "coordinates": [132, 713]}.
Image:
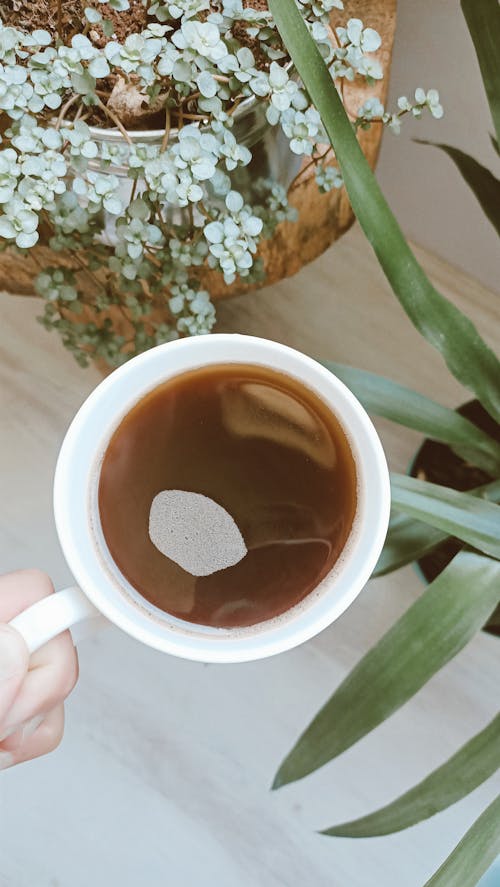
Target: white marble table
{"type": "Point", "coordinates": [163, 776]}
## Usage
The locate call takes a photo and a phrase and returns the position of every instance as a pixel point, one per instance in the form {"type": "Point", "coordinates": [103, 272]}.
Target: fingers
{"type": "Point", "coordinates": [37, 738]}
{"type": "Point", "coordinates": [30, 688]}
{"type": "Point", "coordinates": [52, 674]}
{"type": "Point", "coordinates": [14, 660]}
{"type": "Point", "coordinates": [21, 589]}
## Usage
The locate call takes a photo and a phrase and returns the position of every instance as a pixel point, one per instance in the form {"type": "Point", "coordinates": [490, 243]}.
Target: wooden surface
{"type": "Point", "coordinates": [163, 776]}
{"type": "Point", "coordinates": [322, 218]}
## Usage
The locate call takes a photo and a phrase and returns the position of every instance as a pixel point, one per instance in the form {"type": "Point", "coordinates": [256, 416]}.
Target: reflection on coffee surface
{"type": "Point", "coordinates": [227, 494]}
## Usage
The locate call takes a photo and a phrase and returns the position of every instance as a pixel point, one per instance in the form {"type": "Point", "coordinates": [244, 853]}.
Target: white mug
{"type": "Point", "coordinates": [103, 591]}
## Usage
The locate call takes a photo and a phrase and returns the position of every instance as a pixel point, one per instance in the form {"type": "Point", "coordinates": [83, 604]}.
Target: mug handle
{"type": "Point", "coordinates": [54, 614]}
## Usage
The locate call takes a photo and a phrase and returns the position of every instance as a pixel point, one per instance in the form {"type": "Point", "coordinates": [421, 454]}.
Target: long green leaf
{"type": "Point", "coordinates": [383, 397]}
{"type": "Point", "coordinates": [443, 325]}
{"type": "Point", "coordinates": [484, 185]}
{"type": "Point", "coordinates": [483, 21]}
{"type": "Point", "coordinates": [475, 853]}
{"type": "Point", "coordinates": [409, 539]}
{"type": "Point", "coordinates": [475, 762]}
{"type": "Point", "coordinates": [475, 521]}
{"type": "Point", "coordinates": [433, 630]}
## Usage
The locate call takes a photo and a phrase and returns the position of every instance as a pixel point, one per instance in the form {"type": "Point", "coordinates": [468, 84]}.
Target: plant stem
{"type": "Point", "coordinates": [116, 120]}
{"type": "Point", "coordinates": [95, 280]}
{"type": "Point", "coordinates": [79, 114]}
{"type": "Point", "coordinates": [153, 259]}
{"type": "Point", "coordinates": [134, 189]}
{"type": "Point", "coordinates": [123, 312]}
{"type": "Point", "coordinates": [65, 108]}
{"type": "Point", "coordinates": [74, 256]}
{"type": "Point", "coordinates": [195, 117]}
{"type": "Point", "coordinates": [166, 134]}
{"type": "Point", "coordinates": [444, 326]}
{"type": "Point", "coordinates": [304, 169]}
{"type": "Point", "coordinates": [238, 100]}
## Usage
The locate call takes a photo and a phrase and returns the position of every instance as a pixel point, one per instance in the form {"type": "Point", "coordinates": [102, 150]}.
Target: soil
{"type": "Point", "coordinates": [437, 463]}
{"type": "Point", "coordinates": [45, 14]}
{"type": "Point", "coordinates": [131, 21]}
{"type": "Point", "coordinates": [42, 14]}
{"type": "Point", "coordinates": [240, 32]}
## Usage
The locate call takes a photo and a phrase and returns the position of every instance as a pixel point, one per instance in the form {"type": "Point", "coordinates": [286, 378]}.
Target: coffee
{"type": "Point", "coordinates": [227, 494]}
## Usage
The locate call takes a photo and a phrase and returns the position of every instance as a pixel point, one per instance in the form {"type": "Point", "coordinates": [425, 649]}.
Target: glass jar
{"type": "Point", "coordinates": [272, 160]}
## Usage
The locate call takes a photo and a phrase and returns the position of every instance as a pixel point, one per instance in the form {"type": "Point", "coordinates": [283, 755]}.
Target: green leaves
{"type": "Point", "coordinates": [462, 598]}
{"type": "Point", "coordinates": [455, 515]}
{"type": "Point", "coordinates": [83, 84]}
{"type": "Point", "coordinates": [462, 773]}
{"type": "Point", "coordinates": [473, 856]}
{"type": "Point", "coordinates": [443, 325]}
{"type": "Point", "coordinates": [383, 397]}
{"type": "Point", "coordinates": [433, 630]}
{"type": "Point", "coordinates": [482, 182]}
{"type": "Point", "coordinates": [483, 21]}
{"type": "Point", "coordinates": [409, 539]}
{"type": "Point", "coordinates": [475, 521]}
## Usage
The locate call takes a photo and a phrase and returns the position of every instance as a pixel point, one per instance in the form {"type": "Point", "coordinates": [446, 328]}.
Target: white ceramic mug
{"type": "Point", "coordinates": [103, 591]}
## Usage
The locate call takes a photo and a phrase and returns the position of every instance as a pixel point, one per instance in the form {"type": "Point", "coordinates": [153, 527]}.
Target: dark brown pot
{"type": "Point", "coordinates": [437, 463]}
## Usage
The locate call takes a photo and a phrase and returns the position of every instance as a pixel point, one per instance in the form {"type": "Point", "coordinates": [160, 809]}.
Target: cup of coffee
{"type": "Point", "coordinates": [221, 498]}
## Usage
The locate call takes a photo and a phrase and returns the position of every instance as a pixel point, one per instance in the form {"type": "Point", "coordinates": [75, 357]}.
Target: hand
{"type": "Point", "coordinates": [32, 690]}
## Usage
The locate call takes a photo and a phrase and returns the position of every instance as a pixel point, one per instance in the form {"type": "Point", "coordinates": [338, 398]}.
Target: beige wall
{"type": "Point", "coordinates": [431, 201]}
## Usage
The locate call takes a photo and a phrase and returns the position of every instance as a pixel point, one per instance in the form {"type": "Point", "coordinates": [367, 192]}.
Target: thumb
{"type": "Point", "coordinates": [14, 658]}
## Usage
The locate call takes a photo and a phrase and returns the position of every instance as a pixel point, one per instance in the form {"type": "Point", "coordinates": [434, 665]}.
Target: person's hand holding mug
{"type": "Point", "coordinates": [329, 505]}
{"type": "Point", "coordinates": [32, 690]}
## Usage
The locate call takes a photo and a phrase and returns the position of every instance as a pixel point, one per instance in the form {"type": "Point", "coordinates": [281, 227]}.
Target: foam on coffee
{"type": "Point", "coordinates": [195, 532]}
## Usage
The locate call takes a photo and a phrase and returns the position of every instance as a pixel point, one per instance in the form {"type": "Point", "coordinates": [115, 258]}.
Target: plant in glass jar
{"type": "Point", "coordinates": [154, 148]}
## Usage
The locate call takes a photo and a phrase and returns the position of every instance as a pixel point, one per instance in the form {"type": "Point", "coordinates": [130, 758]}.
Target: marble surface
{"type": "Point", "coordinates": [164, 772]}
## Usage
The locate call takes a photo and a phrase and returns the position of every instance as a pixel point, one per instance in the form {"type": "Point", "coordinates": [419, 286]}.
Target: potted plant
{"type": "Point", "coordinates": [436, 461]}
{"type": "Point", "coordinates": [439, 464]}
{"type": "Point", "coordinates": [464, 596]}
{"type": "Point", "coordinates": [155, 154]}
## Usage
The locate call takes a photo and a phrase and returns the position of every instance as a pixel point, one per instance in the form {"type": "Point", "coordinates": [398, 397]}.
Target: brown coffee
{"type": "Point", "coordinates": [227, 494]}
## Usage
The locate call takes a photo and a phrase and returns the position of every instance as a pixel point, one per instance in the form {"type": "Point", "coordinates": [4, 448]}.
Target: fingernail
{"type": "Point", "coordinates": [12, 653]}
{"type": "Point", "coordinates": [6, 760]}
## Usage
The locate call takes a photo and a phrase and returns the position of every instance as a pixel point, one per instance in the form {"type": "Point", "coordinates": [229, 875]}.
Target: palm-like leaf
{"type": "Point", "coordinates": [474, 520]}
{"type": "Point", "coordinates": [462, 598]}
{"type": "Point", "coordinates": [409, 539]}
{"type": "Point", "coordinates": [462, 773]}
{"type": "Point", "coordinates": [433, 630]}
{"type": "Point", "coordinates": [473, 856]}
{"type": "Point", "coordinates": [441, 323]}
{"type": "Point", "coordinates": [482, 182]}
{"type": "Point", "coordinates": [483, 21]}
{"type": "Point", "coordinates": [383, 397]}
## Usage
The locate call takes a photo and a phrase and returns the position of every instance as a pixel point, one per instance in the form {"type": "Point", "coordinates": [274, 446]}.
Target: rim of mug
{"type": "Point", "coordinates": [76, 467]}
